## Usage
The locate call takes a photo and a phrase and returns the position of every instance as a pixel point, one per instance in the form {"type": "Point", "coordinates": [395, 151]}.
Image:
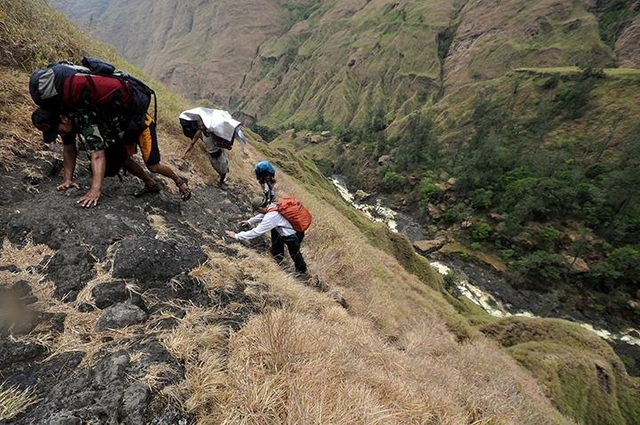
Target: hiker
{"type": "Point", "coordinates": [100, 131]}
{"type": "Point", "coordinates": [283, 233]}
{"type": "Point", "coordinates": [218, 130]}
{"type": "Point", "coordinates": [265, 173]}
{"type": "Point", "coordinates": [217, 155]}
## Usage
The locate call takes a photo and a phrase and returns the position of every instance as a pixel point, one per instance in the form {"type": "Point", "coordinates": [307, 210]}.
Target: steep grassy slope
{"type": "Point", "coordinates": [278, 351]}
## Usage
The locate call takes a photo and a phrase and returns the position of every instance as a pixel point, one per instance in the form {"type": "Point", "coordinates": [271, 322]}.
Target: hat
{"type": "Point", "coordinates": [47, 122]}
{"type": "Point", "coordinates": [258, 202]}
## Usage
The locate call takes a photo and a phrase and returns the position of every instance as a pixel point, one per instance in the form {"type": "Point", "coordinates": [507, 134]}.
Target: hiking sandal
{"type": "Point", "coordinates": [183, 187]}
{"type": "Point", "coordinates": [147, 189]}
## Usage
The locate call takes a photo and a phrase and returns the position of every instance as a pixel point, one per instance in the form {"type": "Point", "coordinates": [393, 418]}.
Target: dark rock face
{"type": "Point", "coordinates": [14, 352]}
{"type": "Point", "coordinates": [105, 393]}
{"type": "Point", "coordinates": [149, 288]}
{"type": "Point", "coordinates": [70, 268]}
{"type": "Point", "coordinates": [107, 294]}
{"type": "Point", "coordinates": [120, 316]}
{"type": "Point", "coordinates": [149, 259]}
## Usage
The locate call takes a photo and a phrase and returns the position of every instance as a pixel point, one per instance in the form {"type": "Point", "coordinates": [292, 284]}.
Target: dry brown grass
{"type": "Point", "coordinates": [198, 344]}
{"type": "Point", "coordinates": [311, 361]}
{"type": "Point", "coordinates": [17, 134]}
{"type": "Point", "coordinates": [14, 400]}
{"type": "Point", "coordinates": [291, 367]}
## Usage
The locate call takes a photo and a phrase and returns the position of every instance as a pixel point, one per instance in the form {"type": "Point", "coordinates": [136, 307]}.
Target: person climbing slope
{"type": "Point", "coordinates": [266, 175]}
{"type": "Point", "coordinates": [270, 218]}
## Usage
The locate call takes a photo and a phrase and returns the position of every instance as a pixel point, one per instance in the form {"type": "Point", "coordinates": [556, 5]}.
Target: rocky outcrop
{"type": "Point", "coordinates": [429, 246]}
{"type": "Point", "coordinates": [115, 281]}
{"type": "Point", "coordinates": [627, 46]}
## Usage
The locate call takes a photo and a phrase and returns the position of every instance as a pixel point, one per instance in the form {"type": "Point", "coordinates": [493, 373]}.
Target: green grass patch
{"type": "Point", "coordinates": [574, 70]}
{"type": "Point", "coordinates": [577, 369]}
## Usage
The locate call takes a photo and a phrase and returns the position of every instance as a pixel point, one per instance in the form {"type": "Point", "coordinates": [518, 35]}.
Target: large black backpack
{"type": "Point", "coordinates": [99, 86]}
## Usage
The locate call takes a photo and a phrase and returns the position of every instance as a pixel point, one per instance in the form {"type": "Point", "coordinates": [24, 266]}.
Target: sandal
{"type": "Point", "coordinates": [147, 189]}
{"type": "Point", "coordinates": [183, 187]}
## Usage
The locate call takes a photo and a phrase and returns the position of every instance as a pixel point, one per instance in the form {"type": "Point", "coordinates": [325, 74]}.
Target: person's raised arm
{"type": "Point", "coordinates": [196, 136]}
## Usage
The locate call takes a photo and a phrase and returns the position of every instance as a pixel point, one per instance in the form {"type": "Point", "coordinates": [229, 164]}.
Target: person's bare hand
{"type": "Point", "coordinates": [230, 234]}
{"type": "Point", "coordinates": [90, 199]}
{"type": "Point", "coordinates": [66, 185]}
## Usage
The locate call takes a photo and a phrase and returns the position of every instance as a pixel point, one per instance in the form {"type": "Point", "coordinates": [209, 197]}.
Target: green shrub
{"type": "Point", "coordinates": [481, 231]}
{"type": "Point", "coordinates": [549, 237]}
{"type": "Point", "coordinates": [551, 82]}
{"type": "Point", "coordinates": [450, 283]}
{"type": "Point", "coordinates": [455, 214]}
{"type": "Point", "coordinates": [621, 268]}
{"type": "Point", "coordinates": [542, 269]}
{"type": "Point", "coordinates": [572, 99]}
{"type": "Point", "coordinates": [428, 190]}
{"type": "Point", "coordinates": [266, 133]}
{"type": "Point", "coordinates": [393, 180]}
{"type": "Point", "coordinates": [507, 254]}
{"type": "Point", "coordinates": [481, 198]}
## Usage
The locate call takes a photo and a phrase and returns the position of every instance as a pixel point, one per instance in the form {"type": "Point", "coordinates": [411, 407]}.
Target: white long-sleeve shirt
{"type": "Point", "coordinates": [266, 222]}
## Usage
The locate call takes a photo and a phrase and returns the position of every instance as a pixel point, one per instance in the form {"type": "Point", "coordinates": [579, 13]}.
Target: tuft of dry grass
{"type": "Point", "coordinates": [198, 343]}
{"type": "Point", "coordinates": [17, 135]}
{"type": "Point", "coordinates": [23, 257]}
{"type": "Point", "coordinates": [14, 400]}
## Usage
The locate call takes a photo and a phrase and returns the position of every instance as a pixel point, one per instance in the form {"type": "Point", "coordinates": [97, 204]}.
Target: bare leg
{"type": "Point", "coordinates": [165, 171]}
{"type": "Point", "coordinates": [181, 183]}
{"type": "Point", "coordinates": [135, 169]}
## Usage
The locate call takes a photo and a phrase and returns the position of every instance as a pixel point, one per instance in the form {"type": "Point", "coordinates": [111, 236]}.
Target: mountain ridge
{"type": "Point", "coordinates": [452, 44]}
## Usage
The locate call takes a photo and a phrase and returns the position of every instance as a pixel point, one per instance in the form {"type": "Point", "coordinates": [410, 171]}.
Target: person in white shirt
{"type": "Point", "coordinates": [217, 155]}
{"type": "Point", "coordinates": [269, 219]}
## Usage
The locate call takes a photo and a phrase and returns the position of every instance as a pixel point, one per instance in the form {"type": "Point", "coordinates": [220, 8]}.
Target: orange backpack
{"type": "Point", "coordinates": [293, 210]}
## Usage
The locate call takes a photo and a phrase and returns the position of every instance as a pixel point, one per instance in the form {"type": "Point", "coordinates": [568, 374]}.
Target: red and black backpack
{"type": "Point", "coordinates": [63, 87]}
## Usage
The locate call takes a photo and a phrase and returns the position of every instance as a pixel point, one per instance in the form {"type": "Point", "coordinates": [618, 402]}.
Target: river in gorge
{"type": "Point", "coordinates": [488, 289]}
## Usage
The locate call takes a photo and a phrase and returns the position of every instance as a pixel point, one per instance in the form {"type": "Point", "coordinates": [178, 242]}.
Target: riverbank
{"type": "Point", "coordinates": [491, 290]}
{"type": "Point", "coordinates": [483, 283]}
